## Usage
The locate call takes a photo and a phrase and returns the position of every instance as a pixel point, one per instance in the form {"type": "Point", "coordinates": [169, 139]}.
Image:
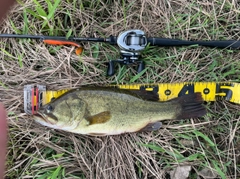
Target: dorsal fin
{"type": "Point", "coordinates": [146, 95]}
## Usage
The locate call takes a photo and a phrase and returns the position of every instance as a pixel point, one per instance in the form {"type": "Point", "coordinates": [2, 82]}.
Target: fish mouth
{"type": "Point", "coordinates": [41, 116]}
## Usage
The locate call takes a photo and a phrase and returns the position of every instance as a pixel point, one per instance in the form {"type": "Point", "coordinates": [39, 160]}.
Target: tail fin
{"type": "Point", "coordinates": [191, 106]}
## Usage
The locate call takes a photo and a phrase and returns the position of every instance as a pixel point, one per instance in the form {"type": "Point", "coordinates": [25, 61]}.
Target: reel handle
{"type": "Point", "coordinates": [141, 66]}
{"type": "Point", "coordinates": [110, 68]}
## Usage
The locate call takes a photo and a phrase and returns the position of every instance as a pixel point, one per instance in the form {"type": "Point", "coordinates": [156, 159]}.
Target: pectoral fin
{"type": "Point", "coordinates": [151, 127]}
{"type": "Point", "coordinates": [99, 118]}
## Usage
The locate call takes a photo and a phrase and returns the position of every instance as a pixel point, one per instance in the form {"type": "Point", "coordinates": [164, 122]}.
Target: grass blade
{"type": "Point", "coordinates": [25, 20]}
{"type": "Point", "coordinates": [40, 9]}
{"type": "Point", "coordinates": [53, 9]}
{"type": "Point", "coordinates": [17, 31]}
{"type": "Point", "coordinates": [69, 33]}
{"type": "Point", "coordinates": [219, 170]}
{"type": "Point", "coordinates": [136, 77]}
{"type": "Point", "coordinates": [56, 173]}
{"type": "Point", "coordinates": [206, 138]}
{"type": "Point", "coordinates": [50, 6]}
{"type": "Point", "coordinates": [51, 13]}
{"type": "Point", "coordinates": [153, 147]}
{"type": "Point", "coordinates": [41, 12]}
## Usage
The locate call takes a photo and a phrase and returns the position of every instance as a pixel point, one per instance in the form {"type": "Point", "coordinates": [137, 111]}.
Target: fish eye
{"type": "Point", "coordinates": [52, 98]}
{"type": "Point", "coordinates": [49, 108]}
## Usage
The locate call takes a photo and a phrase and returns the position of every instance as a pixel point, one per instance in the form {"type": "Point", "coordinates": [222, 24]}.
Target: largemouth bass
{"type": "Point", "coordinates": [110, 111]}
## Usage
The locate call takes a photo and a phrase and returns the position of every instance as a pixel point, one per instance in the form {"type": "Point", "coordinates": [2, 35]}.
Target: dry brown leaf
{"type": "Point", "coordinates": [207, 174]}
{"type": "Point", "coordinates": [181, 172]}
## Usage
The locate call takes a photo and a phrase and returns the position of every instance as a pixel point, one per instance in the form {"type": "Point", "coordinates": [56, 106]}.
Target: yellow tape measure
{"type": "Point", "coordinates": [210, 90]}
{"type": "Point", "coordinates": [36, 96]}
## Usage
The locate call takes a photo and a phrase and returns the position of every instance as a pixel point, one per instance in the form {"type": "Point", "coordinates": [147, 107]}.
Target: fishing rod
{"type": "Point", "coordinates": [131, 43]}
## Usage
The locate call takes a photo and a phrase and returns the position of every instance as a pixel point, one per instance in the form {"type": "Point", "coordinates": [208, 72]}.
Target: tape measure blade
{"type": "Point", "coordinates": [210, 90]}
{"type": "Point", "coordinates": [49, 95]}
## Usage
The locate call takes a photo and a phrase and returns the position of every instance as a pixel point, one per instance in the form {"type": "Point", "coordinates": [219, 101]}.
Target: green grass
{"type": "Point", "coordinates": [211, 142]}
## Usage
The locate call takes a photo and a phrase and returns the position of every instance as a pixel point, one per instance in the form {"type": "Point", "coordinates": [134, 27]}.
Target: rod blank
{"type": "Point", "coordinates": [165, 42]}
